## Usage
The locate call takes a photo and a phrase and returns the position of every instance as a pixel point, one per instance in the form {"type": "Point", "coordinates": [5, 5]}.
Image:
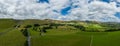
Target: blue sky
{"type": "Point", "coordinates": [101, 0]}
{"type": "Point", "coordinates": [117, 14]}
{"type": "Point", "coordinates": [61, 9]}
{"type": "Point", "coordinates": [118, 5]}
{"type": "Point", "coordinates": [43, 1]}
{"type": "Point", "coordinates": [108, 1]}
{"type": "Point", "coordinates": [64, 11]}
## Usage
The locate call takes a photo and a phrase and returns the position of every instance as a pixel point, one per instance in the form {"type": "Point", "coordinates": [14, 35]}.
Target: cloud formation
{"type": "Point", "coordinates": [95, 10]}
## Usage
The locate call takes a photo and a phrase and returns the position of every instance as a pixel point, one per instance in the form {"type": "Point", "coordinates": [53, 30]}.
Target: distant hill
{"type": "Point", "coordinates": [82, 25]}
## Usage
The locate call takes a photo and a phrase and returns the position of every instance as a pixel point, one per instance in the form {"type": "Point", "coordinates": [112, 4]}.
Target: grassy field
{"type": "Point", "coordinates": [5, 24]}
{"type": "Point", "coordinates": [61, 36]}
{"type": "Point", "coordinates": [9, 36]}
{"type": "Point", "coordinates": [111, 39]}
{"type": "Point", "coordinates": [12, 38]}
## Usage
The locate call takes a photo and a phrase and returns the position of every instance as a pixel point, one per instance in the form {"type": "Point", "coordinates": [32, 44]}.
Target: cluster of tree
{"type": "Point", "coordinates": [25, 32]}
{"type": "Point", "coordinates": [80, 27]}
{"type": "Point", "coordinates": [56, 25]}
{"type": "Point", "coordinates": [112, 29]}
{"type": "Point", "coordinates": [37, 27]}
{"type": "Point", "coordinates": [88, 29]}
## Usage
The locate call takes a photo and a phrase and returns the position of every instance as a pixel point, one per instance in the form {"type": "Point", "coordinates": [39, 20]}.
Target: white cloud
{"type": "Point", "coordinates": [97, 11]}
{"type": "Point", "coordinates": [29, 9]}
{"type": "Point", "coordinates": [118, 0]}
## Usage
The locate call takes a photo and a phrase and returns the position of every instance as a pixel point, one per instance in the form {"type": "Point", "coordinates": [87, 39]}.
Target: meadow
{"type": "Point", "coordinates": [6, 24]}
{"type": "Point", "coordinates": [12, 38]}
{"type": "Point", "coordinates": [77, 39]}
{"type": "Point", "coordinates": [62, 35]}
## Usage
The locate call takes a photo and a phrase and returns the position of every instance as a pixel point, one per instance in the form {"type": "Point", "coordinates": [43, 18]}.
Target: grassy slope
{"type": "Point", "coordinates": [26, 22]}
{"type": "Point", "coordinates": [6, 23]}
{"type": "Point", "coordinates": [12, 38]}
{"type": "Point", "coordinates": [62, 37]}
{"type": "Point", "coordinates": [58, 37]}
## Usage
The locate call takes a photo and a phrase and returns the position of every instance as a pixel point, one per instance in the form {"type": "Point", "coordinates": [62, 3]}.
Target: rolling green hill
{"type": "Point", "coordinates": [58, 33]}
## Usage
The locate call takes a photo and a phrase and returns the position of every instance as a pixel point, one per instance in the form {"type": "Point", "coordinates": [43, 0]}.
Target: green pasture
{"type": "Point", "coordinates": [61, 36]}
{"type": "Point", "coordinates": [76, 38]}
{"type": "Point", "coordinates": [12, 38]}
{"type": "Point", "coordinates": [5, 24]}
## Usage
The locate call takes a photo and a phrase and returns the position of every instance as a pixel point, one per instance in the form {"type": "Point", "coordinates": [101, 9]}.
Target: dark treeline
{"type": "Point", "coordinates": [113, 29]}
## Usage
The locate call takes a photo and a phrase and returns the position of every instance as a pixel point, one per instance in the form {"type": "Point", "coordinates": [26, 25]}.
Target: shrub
{"type": "Point", "coordinates": [28, 26]}
{"type": "Point", "coordinates": [36, 25]}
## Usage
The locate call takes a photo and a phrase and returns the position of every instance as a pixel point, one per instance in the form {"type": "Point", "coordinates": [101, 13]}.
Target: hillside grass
{"type": "Point", "coordinates": [5, 24]}
{"type": "Point", "coordinates": [64, 38]}
{"type": "Point", "coordinates": [12, 38]}
{"type": "Point", "coordinates": [61, 36]}
{"type": "Point", "coordinates": [30, 21]}
{"type": "Point", "coordinates": [111, 39]}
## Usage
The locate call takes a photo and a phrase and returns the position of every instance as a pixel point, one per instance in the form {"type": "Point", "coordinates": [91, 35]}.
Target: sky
{"type": "Point", "coordinates": [92, 10]}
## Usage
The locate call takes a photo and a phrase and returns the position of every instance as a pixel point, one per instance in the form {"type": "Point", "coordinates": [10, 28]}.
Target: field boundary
{"type": "Point", "coordinates": [28, 39]}
{"type": "Point", "coordinates": [91, 40]}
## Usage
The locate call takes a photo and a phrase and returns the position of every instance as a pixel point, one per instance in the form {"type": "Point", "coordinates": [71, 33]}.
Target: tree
{"type": "Point", "coordinates": [25, 32]}
{"type": "Point", "coordinates": [28, 26]}
{"type": "Point", "coordinates": [80, 27]}
{"type": "Point", "coordinates": [114, 29]}
{"type": "Point", "coordinates": [36, 27]}
{"type": "Point", "coordinates": [42, 31]}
